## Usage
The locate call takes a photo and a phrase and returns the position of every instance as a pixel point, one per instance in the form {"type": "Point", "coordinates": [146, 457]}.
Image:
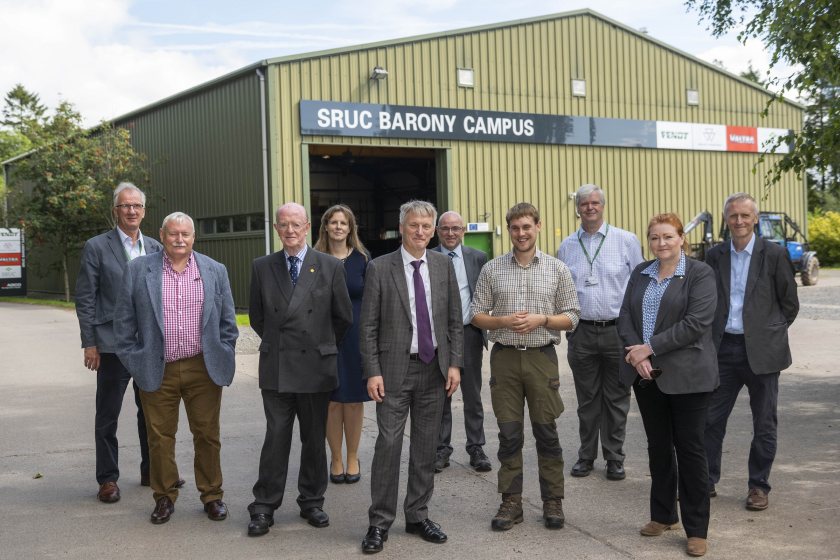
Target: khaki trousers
{"type": "Point", "coordinates": [185, 379]}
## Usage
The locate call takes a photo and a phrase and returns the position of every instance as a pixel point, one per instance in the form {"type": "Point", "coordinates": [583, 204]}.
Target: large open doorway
{"type": "Point", "coordinates": [373, 182]}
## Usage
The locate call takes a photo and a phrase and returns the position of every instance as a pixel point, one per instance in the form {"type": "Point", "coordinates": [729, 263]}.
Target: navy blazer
{"type": "Point", "coordinates": [301, 325]}
{"type": "Point", "coordinates": [771, 303]}
{"type": "Point", "coordinates": [138, 321]}
{"type": "Point", "coordinates": [98, 286]}
{"type": "Point", "coordinates": [682, 335]}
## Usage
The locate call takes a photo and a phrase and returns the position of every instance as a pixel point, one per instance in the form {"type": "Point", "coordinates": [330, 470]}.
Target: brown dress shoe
{"type": "Point", "coordinates": [696, 546]}
{"type": "Point", "coordinates": [163, 511]}
{"type": "Point", "coordinates": [654, 528]}
{"type": "Point", "coordinates": [216, 510]}
{"type": "Point", "coordinates": [757, 500]}
{"type": "Point", "coordinates": [109, 492]}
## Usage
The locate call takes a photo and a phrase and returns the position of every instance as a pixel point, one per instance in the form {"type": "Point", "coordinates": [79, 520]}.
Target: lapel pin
{"type": "Point", "coordinates": [311, 270]}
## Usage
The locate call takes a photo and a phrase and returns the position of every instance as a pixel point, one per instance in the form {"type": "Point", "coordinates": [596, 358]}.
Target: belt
{"type": "Point", "coordinates": [522, 347]}
{"type": "Point", "coordinates": [416, 356]}
{"type": "Point", "coordinates": [607, 323]}
{"type": "Point", "coordinates": [734, 336]}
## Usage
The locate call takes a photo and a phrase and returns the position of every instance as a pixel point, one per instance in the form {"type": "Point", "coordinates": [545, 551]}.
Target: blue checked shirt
{"type": "Point", "coordinates": [619, 255]}
{"type": "Point", "coordinates": [653, 296]}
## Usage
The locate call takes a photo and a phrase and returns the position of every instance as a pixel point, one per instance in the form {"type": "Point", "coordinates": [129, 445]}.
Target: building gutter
{"type": "Point", "coordinates": [266, 197]}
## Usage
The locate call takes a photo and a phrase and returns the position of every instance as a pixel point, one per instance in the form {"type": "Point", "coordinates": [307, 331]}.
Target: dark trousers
{"type": "Point", "coordinates": [516, 377]}
{"type": "Point", "coordinates": [471, 393]}
{"type": "Point", "coordinates": [674, 427]}
{"type": "Point", "coordinates": [735, 372]}
{"type": "Point", "coordinates": [280, 412]}
{"type": "Point", "coordinates": [111, 381]}
{"type": "Point", "coordinates": [603, 403]}
{"type": "Point", "coordinates": [421, 394]}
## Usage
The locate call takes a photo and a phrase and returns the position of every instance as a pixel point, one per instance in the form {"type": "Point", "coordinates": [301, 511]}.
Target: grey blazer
{"type": "Point", "coordinates": [385, 324]}
{"type": "Point", "coordinates": [682, 336]}
{"type": "Point", "coordinates": [138, 321]}
{"type": "Point", "coordinates": [299, 325]}
{"type": "Point", "coordinates": [98, 286]}
{"type": "Point", "coordinates": [770, 303]}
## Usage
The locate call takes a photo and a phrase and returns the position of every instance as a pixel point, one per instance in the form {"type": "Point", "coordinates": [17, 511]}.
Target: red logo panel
{"type": "Point", "coordinates": [741, 139]}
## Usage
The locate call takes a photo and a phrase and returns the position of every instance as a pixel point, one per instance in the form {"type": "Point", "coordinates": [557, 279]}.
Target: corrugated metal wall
{"type": "Point", "coordinates": [528, 67]}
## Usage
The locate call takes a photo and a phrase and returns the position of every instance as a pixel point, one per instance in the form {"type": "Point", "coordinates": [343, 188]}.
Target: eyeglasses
{"type": "Point", "coordinates": [654, 373]}
{"type": "Point", "coordinates": [130, 206]}
{"type": "Point", "coordinates": [453, 229]}
{"type": "Point", "coordinates": [291, 226]}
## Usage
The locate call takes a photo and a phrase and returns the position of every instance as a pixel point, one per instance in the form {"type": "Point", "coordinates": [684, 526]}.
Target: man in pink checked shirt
{"type": "Point", "coordinates": [176, 332]}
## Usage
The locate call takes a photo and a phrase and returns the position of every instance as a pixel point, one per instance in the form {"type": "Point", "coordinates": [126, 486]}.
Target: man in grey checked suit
{"type": "Point", "coordinates": [468, 263]}
{"type": "Point", "coordinates": [411, 338]}
{"type": "Point", "coordinates": [104, 259]}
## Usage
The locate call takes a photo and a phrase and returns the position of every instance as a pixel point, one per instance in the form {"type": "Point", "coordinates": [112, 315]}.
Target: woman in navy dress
{"type": "Point", "coordinates": [338, 237]}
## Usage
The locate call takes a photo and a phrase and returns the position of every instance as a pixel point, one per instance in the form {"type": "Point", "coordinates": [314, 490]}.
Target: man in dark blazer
{"type": "Point", "coordinates": [300, 307]}
{"type": "Point", "coordinates": [411, 338]}
{"type": "Point", "coordinates": [176, 333]}
{"type": "Point", "coordinates": [104, 259]}
{"type": "Point", "coordinates": [757, 303]}
{"type": "Point", "coordinates": [467, 262]}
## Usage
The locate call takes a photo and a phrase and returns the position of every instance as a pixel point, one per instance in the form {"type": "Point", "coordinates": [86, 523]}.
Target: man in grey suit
{"type": "Point", "coordinates": [411, 337]}
{"type": "Point", "coordinates": [104, 259]}
{"type": "Point", "coordinates": [300, 308]}
{"type": "Point", "coordinates": [756, 304]}
{"type": "Point", "coordinates": [468, 263]}
{"type": "Point", "coordinates": [176, 333]}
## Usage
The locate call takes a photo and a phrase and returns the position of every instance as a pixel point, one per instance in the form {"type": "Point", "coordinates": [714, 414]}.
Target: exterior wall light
{"type": "Point", "coordinates": [692, 97]}
{"type": "Point", "coordinates": [578, 88]}
{"type": "Point", "coordinates": [378, 73]}
{"type": "Point", "coordinates": [466, 77]}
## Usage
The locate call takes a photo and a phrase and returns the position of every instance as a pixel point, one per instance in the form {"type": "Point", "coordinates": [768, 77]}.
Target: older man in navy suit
{"type": "Point", "coordinates": [176, 333]}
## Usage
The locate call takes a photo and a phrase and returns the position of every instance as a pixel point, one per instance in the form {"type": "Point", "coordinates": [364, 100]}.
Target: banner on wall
{"type": "Point", "coordinates": [333, 118]}
{"type": "Point", "coordinates": [12, 263]}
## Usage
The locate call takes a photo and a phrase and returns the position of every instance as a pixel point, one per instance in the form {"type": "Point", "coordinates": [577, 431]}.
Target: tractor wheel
{"type": "Point", "coordinates": [811, 272]}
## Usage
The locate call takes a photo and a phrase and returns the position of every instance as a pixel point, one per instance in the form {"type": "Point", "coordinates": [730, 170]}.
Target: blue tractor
{"type": "Point", "coordinates": [777, 227]}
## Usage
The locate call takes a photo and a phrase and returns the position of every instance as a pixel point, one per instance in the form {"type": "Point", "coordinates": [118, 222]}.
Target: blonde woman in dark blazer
{"type": "Point", "coordinates": [665, 325]}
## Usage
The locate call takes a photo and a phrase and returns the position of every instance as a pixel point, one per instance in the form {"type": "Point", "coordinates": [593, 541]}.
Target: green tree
{"type": "Point", "coordinates": [69, 181]}
{"type": "Point", "coordinates": [753, 75]}
{"type": "Point", "coordinates": [803, 40]}
{"type": "Point", "coordinates": [12, 143]}
{"type": "Point", "coordinates": [24, 113]}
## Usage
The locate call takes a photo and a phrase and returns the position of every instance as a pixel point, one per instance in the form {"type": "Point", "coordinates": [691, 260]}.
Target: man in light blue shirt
{"type": "Point", "coordinates": [468, 263]}
{"type": "Point", "coordinates": [601, 258]}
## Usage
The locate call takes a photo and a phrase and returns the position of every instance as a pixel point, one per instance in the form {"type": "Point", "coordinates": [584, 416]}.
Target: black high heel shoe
{"type": "Point", "coordinates": [354, 478]}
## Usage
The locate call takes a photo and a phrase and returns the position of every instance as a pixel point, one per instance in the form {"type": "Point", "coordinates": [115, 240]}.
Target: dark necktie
{"type": "Point", "coordinates": [293, 269]}
{"type": "Point", "coordinates": [452, 254]}
{"type": "Point", "coordinates": [425, 346]}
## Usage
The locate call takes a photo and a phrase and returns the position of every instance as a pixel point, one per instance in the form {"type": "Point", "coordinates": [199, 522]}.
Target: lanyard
{"type": "Point", "coordinates": [591, 261]}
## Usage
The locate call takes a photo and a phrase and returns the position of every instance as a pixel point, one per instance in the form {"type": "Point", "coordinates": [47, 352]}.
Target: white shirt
{"type": "Point", "coordinates": [132, 250]}
{"type": "Point", "coordinates": [408, 268]}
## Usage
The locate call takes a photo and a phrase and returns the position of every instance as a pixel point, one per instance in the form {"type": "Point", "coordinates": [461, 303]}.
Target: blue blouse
{"type": "Point", "coordinates": [654, 293]}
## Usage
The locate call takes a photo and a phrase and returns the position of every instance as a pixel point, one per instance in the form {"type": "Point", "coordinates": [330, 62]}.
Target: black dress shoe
{"type": "Point", "coordinates": [374, 540]}
{"type": "Point", "coordinates": [260, 522]}
{"type": "Point", "coordinates": [615, 470]}
{"type": "Point", "coordinates": [582, 468]}
{"type": "Point", "coordinates": [316, 517]}
{"type": "Point", "coordinates": [216, 510]}
{"type": "Point", "coordinates": [712, 491]}
{"type": "Point", "coordinates": [428, 529]}
{"type": "Point", "coordinates": [479, 461]}
{"type": "Point", "coordinates": [338, 478]}
{"type": "Point", "coordinates": [441, 462]}
{"type": "Point", "coordinates": [163, 511]}
{"type": "Point", "coordinates": [354, 478]}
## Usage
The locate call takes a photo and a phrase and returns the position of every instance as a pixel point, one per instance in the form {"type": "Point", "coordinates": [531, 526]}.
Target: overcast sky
{"type": "Point", "coordinates": [109, 57]}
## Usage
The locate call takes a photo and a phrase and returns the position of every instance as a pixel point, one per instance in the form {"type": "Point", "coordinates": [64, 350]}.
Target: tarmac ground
{"type": "Point", "coordinates": [49, 507]}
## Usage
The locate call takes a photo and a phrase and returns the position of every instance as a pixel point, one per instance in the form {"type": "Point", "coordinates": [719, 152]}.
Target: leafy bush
{"type": "Point", "coordinates": [824, 236]}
